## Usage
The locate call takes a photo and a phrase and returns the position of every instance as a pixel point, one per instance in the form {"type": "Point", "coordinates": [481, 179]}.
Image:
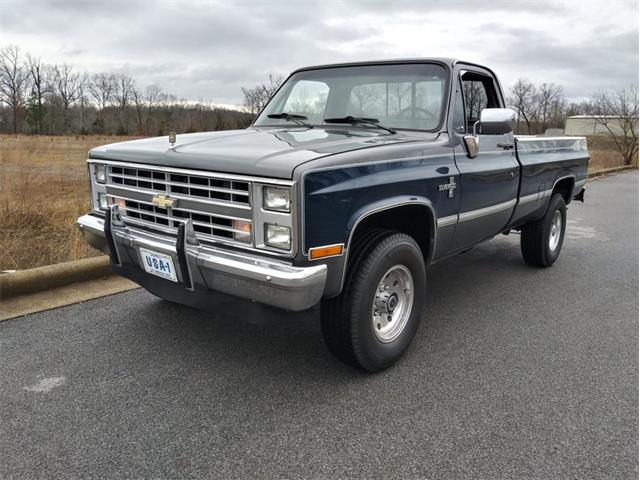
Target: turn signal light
{"type": "Point", "coordinates": [242, 231]}
{"type": "Point", "coordinates": [117, 201]}
{"type": "Point", "coordinates": [328, 251]}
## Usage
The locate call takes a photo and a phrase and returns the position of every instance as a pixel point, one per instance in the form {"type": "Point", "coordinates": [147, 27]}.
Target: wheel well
{"type": "Point", "coordinates": [565, 188]}
{"type": "Point", "coordinates": [415, 220]}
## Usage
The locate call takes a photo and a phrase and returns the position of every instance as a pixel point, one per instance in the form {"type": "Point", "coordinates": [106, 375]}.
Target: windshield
{"type": "Point", "coordinates": [409, 96]}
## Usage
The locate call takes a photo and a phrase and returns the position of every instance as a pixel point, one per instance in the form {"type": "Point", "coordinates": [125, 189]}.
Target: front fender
{"type": "Point", "coordinates": [335, 201]}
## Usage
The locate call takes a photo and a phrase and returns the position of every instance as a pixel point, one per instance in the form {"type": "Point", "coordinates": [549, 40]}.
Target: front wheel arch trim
{"type": "Point", "coordinates": [379, 207]}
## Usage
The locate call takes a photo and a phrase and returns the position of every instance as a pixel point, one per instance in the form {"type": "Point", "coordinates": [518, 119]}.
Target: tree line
{"type": "Point", "coordinates": [41, 98]}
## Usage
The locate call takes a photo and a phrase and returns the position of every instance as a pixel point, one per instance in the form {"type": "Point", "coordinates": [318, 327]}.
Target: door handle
{"type": "Point", "coordinates": [506, 146]}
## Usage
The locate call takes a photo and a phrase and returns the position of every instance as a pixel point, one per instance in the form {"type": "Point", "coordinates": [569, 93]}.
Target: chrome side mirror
{"type": "Point", "coordinates": [497, 121]}
{"type": "Point", "coordinates": [471, 144]}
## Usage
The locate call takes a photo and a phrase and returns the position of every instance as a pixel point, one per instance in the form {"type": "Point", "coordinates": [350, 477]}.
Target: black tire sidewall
{"type": "Point", "coordinates": [372, 353]}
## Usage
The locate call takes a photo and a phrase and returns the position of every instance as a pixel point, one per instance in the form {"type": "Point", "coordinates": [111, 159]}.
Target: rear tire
{"type": "Point", "coordinates": [541, 241]}
{"type": "Point", "coordinates": [372, 322]}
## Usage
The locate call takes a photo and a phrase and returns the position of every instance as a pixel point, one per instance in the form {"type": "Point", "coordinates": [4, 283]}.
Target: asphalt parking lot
{"type": "Point", "coordinates": [515, 373]}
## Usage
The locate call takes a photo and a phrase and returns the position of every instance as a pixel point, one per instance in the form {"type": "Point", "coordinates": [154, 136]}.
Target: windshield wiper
{"type": "Point", "coordinates": [374, 122]}
{"type": "Point", "coordinates": [299, 119]}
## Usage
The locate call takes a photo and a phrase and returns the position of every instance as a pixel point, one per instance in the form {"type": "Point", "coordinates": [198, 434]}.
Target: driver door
{"type": "Point", "coordinates": [488, 182]}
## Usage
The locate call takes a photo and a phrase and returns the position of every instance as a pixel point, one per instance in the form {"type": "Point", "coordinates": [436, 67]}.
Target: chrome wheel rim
{"type": "Point", "coordinates": [392, 303]}
{"type": "Point", "coordinates": [556, 230]}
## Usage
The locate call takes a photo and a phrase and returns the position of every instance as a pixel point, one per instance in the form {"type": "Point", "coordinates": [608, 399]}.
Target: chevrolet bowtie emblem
{"type": "Point", "coordinates": [451, 186]}
{"type": "Point", "coordinates": [163, 201]}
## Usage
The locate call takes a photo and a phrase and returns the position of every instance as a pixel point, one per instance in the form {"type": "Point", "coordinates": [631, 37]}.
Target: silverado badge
{"type": "Point", "coordinates": [163, 201]}
{"type": "Point", "coordinates": [451, 186]}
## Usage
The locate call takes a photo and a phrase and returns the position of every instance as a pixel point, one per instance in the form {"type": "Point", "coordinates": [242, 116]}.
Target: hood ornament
{"type": "Point", "coordinates": [172, 138]}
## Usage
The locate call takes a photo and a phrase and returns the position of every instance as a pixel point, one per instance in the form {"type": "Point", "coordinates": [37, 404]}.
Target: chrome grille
{"type": "Point", "coordinates": [211, 202]}
{"type": "Point", "coordinates": [213, 188]}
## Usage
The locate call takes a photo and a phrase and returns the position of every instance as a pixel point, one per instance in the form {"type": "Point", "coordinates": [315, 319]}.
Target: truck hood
{"type": "Point", "coordinates": [254, 151]}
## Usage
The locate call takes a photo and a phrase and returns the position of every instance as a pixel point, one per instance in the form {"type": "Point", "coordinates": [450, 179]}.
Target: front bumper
{"type": "Point", "coordinates": [203, 270]}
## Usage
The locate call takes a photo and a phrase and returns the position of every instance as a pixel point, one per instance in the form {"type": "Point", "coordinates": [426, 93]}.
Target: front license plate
{"type": "Point", "coordinates": [158, 264]}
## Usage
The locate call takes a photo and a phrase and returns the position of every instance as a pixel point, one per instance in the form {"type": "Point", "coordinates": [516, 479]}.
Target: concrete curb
{"type": "Point", "coordinates": [608, 171]}
{"type": "Point", "coordinates": [51, 276]}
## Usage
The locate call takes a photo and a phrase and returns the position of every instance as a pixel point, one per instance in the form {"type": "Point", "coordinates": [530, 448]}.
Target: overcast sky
{"type": "Point", "coordinates": [208, 50]}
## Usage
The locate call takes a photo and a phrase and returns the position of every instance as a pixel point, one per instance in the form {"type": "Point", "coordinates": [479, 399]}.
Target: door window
{"type": "Point", "coordinates": [479, 93]}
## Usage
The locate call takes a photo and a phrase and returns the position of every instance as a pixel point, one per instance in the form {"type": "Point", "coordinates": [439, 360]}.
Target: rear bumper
{"type": "Point", "coordinates": [203, 270]}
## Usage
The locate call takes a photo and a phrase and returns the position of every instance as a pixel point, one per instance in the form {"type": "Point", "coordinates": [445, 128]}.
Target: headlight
{"type": "Point", "coordinates": [277, 236]}
{"type": "Point", "coordinates": [278, 199]}
{"type": "Point", "coordinates": [101, 173]}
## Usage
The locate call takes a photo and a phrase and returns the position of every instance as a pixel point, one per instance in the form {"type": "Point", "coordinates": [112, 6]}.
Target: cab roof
{"type": "Point", "coordinates": [450, 62]}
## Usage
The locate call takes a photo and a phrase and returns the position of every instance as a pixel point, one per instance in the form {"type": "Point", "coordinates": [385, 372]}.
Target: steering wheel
{"type": "Point", "coordinates": [428, 115]}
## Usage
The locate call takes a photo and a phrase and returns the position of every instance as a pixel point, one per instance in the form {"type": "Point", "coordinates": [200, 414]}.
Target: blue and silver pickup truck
{"type": "Point", "coordinates": [351, 181]}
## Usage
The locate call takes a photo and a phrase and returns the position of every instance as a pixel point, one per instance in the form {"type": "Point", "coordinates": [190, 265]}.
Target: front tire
{"type": "Point", "coordinates": [372, 322]}
{"type": "Point", "coordinates": [541, 241]}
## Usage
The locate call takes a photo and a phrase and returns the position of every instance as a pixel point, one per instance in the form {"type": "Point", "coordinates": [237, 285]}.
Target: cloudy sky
{"type": "Point", "coordinates": [208, 50]}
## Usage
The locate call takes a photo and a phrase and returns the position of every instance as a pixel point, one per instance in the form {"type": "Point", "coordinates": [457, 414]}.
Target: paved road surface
{"type": "Point", "coordinates": [515, 373]}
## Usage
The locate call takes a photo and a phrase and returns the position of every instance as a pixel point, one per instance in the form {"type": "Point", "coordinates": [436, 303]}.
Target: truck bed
{"type": "Point", "coordinates": [545, 161]}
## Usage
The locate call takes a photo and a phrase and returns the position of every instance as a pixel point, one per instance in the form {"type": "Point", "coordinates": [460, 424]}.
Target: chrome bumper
{"type": "Point", "coordinates": [203, 269]}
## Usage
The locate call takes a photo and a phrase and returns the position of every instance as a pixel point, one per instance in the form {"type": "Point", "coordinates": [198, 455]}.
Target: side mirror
{"type": "Point", "coordinates": [471, 145]}
{"type": "Point", "coordinates": [497, 121]}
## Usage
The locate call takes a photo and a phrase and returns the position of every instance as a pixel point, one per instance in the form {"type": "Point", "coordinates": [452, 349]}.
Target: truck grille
{"type": "Point", "coordinates": [188, 185]}
{"type": "Point", "coordinates": [217, 206]}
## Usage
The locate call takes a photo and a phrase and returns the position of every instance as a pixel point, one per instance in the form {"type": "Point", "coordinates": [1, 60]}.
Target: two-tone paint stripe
{"type": "Point", "coordinates": [475, 214]}
{"type": "Point", "coordinates": [493, 209]}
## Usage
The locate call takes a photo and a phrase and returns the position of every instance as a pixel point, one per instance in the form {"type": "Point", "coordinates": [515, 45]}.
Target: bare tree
{"type": "Point", "coordinates": [152, 95]}
{"type": "Point", "coordinates": [122, 93]}
{"type": "Point", "coordinates": [617, 112]}
{"type": "Point", "coordinates": [83, 100]}
{"type": "Point", "coordinates": [13, 83]}
{"type": "Point", "coordinates": [253, 100]}
{"type": "Point", "coordinates": [522, 95]}
{"type": "Point", "coordinates": [583, 107]}
{"type": "Point", "coordinates": [548, 97]}
{"type": "Point", "coordinates": [40, 80]}
{"type": "Point", "coordinates": [138, 99]}
{"type": "Point", "coordinates": [67, 86]}
{"type": "Point", "coordinates": [101, 88]}
{"type": "Point", "coordinates": [257, 97]}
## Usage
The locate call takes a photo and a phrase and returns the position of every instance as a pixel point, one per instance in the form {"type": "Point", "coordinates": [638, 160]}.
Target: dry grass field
{"type": "Point", "coordinates": [603, 153]}
{"type": "Point", "coordinates": [43, 189]}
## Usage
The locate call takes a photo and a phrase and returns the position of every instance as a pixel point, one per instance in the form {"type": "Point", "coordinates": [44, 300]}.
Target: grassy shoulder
{"type": "Point", "coordinates": [603, 153]}
{"type": "Point", "coordinates": [44, 188]}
